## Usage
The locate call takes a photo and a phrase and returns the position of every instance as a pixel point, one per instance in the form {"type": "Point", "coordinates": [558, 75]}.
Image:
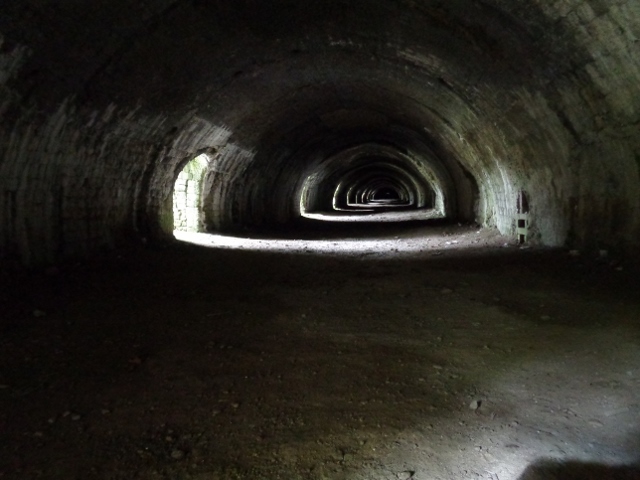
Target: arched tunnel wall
{"type": "Point", "coordinates": [101, 104]}
{"type": "Point", "coordinates": [425, 177]}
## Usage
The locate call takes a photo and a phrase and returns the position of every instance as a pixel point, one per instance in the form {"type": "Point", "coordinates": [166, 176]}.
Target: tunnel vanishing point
{"type": "Point", "coordinates": [470, 110]}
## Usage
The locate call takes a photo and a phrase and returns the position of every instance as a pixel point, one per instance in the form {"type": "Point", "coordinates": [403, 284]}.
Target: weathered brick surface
{"type": "Point", "coordinates": [96, 122]}
{"type": "Point", "coordinates": [66, 187]}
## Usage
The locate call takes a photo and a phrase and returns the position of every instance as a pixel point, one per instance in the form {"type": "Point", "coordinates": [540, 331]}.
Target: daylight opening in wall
{"type": "Point", "coordinates": [187, 205]}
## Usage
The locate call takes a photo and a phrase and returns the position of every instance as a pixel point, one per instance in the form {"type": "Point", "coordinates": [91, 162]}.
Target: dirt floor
{"type": "Point", "coordinates": [420, 353]}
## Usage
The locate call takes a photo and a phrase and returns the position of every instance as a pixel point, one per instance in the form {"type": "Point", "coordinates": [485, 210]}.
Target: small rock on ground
{"type": "Point", "coordinates": [177, 454]}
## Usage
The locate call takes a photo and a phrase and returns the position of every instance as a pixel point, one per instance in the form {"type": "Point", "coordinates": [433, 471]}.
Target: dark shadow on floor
{"type": "Point", "coordinates": [192, 362]}
{"type": "Point", "coordinates": [574, 470]}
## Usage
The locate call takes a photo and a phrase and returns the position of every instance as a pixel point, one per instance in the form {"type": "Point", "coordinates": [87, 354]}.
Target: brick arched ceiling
{"type": "Point", "coordinates": [102, 103]}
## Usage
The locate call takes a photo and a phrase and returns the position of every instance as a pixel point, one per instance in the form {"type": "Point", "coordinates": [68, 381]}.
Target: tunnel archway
{"type": "Point", "coordinates": [187, 195]}
{"type": "Point", "coordinates": [277, 88]}
{"type": "Point", "coordinates": [366, 186]}
{"type": "Point", "coordinates": [283, 346]}
{"type": "Point", "coordinates": [370, 185]}
{"type": "Point", "coordinates": [387, 192]}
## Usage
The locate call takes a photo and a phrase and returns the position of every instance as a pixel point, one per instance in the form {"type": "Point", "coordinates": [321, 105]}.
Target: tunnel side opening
{"type": "Point", "coordinates": [187, 195]}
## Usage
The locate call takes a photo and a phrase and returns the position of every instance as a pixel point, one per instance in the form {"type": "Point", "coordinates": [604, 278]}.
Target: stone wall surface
{"type": "Point", "coordinates": [101, 106]}
{"type": "Point", "coordinates": [68, 178]}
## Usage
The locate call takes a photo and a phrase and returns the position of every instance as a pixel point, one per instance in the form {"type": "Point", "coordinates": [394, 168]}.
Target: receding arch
{"type": "Point", "coordinates": [347, 181]}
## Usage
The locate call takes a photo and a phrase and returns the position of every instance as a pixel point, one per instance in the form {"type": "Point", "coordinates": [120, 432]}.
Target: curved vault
{"type": "Point", "coordinates": [102, 104]}
{"type": "Point", "coordinates": [350, 180]}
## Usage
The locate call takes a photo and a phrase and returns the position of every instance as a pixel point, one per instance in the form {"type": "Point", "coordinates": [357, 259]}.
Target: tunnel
{"type": "Point", "coordinates": [197, 180]}
{"type": "Point", "coordinates": [474, 101]}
